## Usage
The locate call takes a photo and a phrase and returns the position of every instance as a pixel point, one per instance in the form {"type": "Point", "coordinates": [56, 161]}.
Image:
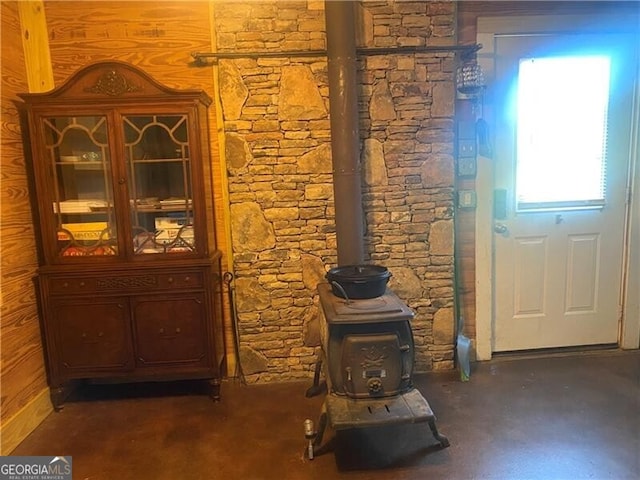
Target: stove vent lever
{"type": "Point", "coordinates": [348, 382]}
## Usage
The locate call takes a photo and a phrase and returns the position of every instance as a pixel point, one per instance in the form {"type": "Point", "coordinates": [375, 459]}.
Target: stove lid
{"type": "Point", "coordinates": [385, 308]}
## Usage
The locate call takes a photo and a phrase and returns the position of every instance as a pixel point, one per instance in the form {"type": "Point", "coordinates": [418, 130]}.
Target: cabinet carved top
{"type": "Point", "coordinates": [113, 80]}
{"type": "Point", "coordinates": [113, 83]}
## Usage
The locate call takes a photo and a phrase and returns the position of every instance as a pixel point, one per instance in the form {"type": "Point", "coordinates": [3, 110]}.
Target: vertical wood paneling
{"type": "Point", "coordinates": [22, 362]}
{"type": "Point", "coordinates": [36, 46]}
{"type": "Point", "coordinates": [159, 37]}
{"type": "Point", "coordinates": [223, 202]}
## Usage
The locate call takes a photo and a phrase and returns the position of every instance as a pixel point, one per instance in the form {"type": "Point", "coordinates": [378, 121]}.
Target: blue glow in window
{"type": "Point", "coordinates": [562, 132]}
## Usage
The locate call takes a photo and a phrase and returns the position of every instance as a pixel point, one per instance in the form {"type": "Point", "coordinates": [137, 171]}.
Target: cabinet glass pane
{"type": "Point", "coordinates": [77, 148]}
{"type": "Point", "coordinates": [159, 183]}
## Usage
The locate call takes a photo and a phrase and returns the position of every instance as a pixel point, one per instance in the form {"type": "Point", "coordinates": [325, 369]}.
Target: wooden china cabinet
{"type": "Point", "coordinates": [129, 279]}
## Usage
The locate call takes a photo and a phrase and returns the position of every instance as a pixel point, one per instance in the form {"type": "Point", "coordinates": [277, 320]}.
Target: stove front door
{"type": "Point", "coordinates": [372, 365]}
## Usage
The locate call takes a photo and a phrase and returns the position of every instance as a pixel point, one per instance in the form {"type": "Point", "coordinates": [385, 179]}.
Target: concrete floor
{"type": "Point", "coordinates": [561, 417]}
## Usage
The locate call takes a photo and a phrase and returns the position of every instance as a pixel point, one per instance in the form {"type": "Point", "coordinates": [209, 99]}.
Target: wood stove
{"type": "Point", "coordinates": [367, 358]}
{"type": "Point", "coordinates": [367, 344]}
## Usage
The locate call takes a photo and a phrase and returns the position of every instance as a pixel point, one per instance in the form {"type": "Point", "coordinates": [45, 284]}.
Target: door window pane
{"type": "Point", "coordinates": [562, 132]}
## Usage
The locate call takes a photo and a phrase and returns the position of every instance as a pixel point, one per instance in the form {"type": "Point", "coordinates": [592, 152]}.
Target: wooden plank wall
{"type": "Point", "coordinates": [22, 370]}
{"type": "Point", "coordinates": [468, 13]}
{"type": "Point", "coordinates": [159, 37]}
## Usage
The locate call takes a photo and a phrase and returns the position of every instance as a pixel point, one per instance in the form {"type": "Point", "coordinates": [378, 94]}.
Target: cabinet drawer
{"type": "Point", "coordinates": [62, 285]}
{"type": "Point", "coordinates": [180, 280]}
{"type": "Point", "coordinates": [107, 283]}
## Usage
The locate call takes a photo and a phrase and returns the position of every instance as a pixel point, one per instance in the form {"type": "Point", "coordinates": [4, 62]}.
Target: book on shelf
{"type": "Point", "coordinates": [172, 201]}
{"type": "Point", "coordinates": [167, 228]}
{"type": "Point", "coordinates": [80, 206]}
{"type": "Point", "coordinates": [84, 231]}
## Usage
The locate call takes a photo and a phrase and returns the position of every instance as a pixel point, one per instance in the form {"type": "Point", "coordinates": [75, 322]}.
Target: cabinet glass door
{"type": "Point", "coordinates": [78, 149]}
{"type": "Point", "coordinates": [159, 183]}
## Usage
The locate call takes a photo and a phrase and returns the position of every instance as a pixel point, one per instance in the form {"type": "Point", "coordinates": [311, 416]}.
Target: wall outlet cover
{"type": "Point", "coordinates": [467, 166]}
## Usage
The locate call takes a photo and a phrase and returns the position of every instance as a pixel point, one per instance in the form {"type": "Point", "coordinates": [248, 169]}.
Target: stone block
{"type": "Point", "coordinates": [252, 361]}
{"type": "Point", "coordinates": [441, 237]}
{"type": "Point", "coordinates": [249, 228]}
{"type": "Point", "coordinates": [299, 96]}
{"type": "Point", "coordinates": [381, 106]}
{"type": "Point", "coordinates": [318, 191]}
{"type": "Point", "coordinates": [274, 214]}
{"type": "Point", "coordinates": [443, 327]}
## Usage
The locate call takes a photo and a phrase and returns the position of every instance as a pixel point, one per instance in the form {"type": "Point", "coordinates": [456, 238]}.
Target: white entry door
{"type": "Point", "coordinates": [562, 155]}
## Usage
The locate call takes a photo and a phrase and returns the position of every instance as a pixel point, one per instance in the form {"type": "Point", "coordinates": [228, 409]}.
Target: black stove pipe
{"type": "Point", "coordinates": [345, 139]}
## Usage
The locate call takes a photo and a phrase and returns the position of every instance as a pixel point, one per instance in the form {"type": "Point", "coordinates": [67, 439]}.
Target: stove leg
{"type": "Point", "coordinates": [318, 447]}
{"type": "Point", "coordinates": [444, 441]}
{"type": "Point", "coordinates": [322, 426]}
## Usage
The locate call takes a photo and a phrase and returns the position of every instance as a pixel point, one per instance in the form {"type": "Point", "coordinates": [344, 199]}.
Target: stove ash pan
{"type": "Point", "coordinates": [368, 345]}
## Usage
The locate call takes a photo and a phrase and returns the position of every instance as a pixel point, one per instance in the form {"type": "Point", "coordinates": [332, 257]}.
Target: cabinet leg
{"type": "Point", "coordinates": [214, 389]}
{"type": "Point", "coordinates": [58, 395]}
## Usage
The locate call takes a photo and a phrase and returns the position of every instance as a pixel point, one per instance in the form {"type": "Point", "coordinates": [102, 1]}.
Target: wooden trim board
{"type": "Point", "coordinates": [18, 427]}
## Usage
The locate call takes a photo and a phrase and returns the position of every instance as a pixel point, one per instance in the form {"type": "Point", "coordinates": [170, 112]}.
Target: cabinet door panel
{"type": "Point", "coordinates": [93, 335]}
{"type": "Point", "coordinates": [158, 163]}
{"type": "Point", "coordinates": [83, 199]}
{"type": "Point", "coordinates": [170, 330]}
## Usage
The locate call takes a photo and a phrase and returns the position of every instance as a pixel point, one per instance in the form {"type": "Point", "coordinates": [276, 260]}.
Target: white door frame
{"type": "Point", "coordinates": [629, 331]}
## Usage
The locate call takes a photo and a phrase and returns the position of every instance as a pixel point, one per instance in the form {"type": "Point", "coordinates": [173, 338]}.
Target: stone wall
{"type": "Point", "coordinates": [278, 155]}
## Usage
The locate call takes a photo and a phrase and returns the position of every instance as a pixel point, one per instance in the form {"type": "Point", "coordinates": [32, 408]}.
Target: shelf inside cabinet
{"type": "Point", "coordinates": [86, 165]}
{"type": "Point", "coordinates": [160, 160]}
{"type": "Point", "coordinates": [159, 209]}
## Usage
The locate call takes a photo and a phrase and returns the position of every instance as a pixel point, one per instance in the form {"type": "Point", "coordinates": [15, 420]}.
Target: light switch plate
{"type": "Point", "coordinates": [467, 199]}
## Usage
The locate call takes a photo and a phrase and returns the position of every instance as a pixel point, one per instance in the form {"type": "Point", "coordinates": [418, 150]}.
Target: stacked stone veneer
{"type": "Point", "coordinates": [278, 155]}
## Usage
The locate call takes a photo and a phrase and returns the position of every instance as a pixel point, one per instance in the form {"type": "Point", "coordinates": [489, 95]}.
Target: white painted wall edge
{"type": "Point", "coordinates": [630, 329]}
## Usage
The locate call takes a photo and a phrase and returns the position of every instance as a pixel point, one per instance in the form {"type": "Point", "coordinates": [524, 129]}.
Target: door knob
{"type": "Point", "coordinates": [500, 228]}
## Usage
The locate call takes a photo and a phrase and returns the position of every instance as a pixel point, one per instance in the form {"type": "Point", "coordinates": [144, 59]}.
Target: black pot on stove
{"type": "Point", "coordinates": [358, 281]}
